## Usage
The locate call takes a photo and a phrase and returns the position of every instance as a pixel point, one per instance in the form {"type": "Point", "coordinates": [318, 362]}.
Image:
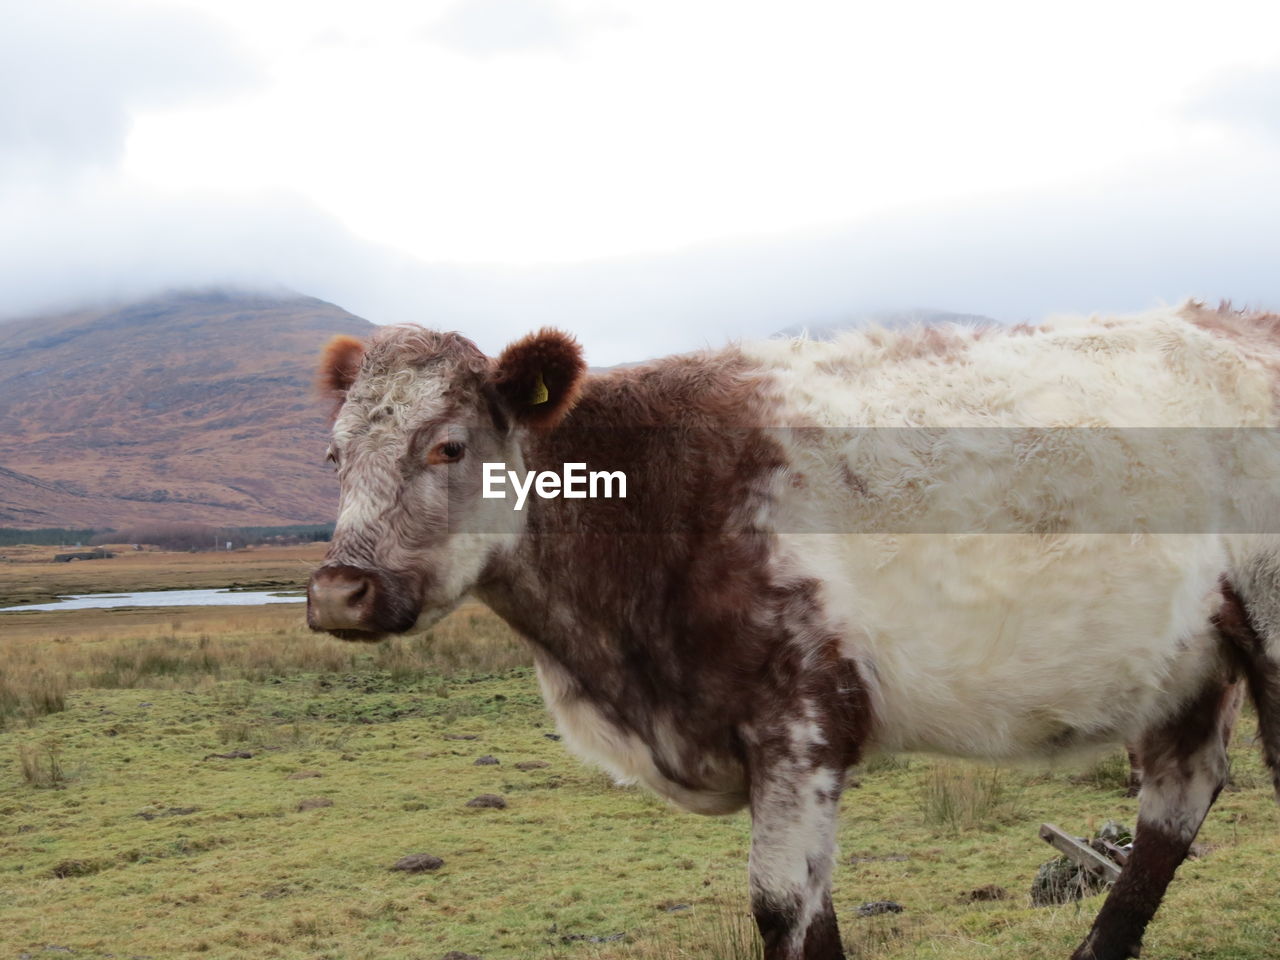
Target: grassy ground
{"type": "Point", "coordinates": [123, 833]}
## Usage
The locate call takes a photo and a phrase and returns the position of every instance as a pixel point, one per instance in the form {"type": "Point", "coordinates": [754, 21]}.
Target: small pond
{"type": "Point", "coordinates": [162, 598]}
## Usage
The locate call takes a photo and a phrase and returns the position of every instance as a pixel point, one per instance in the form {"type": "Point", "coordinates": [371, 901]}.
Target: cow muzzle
{"type": "Point", "coordinates": [354, 603]}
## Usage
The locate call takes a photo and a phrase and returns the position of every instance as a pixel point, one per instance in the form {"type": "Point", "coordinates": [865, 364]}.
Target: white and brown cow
{"type": "Point", "coordinates": [986, 543]}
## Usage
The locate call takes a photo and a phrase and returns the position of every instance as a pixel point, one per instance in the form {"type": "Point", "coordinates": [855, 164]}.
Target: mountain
{"type": "Point", "coordinates": [191, 406]}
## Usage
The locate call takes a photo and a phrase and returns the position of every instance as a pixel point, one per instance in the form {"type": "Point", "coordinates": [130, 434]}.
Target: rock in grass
{"type": "Point", "coordinates": [171, 812]}
{"type": "Point", "coordinates": [1116, 833]}
{"type": "Point", "coordinates": [986, 894]}
{"type": "Point", "coordinates": [233, 755]}
{"type": "Point", "coordinates": [489, 800]}
{"type": "Point", "coordinates": [459, 955]}
{"type": "Point", "coordinates": [314, 803]}
{"type": "Point", "coordinates": [418, 863]}
{"type": "Point", "coordinates": [877, 907]}
{"type": "Point", "coordinates": [487, 761]}
{"type": "Point", "coordinates": [1062, 881]}
{"type": "Point", "coordinates": [461, 736]}
{"type": "Point", "coordinates": [75, 868]}
{"type": "Point", "coordinates": [71, 868]}
{"type": "Point", "coordinates": [532, 765]}
{"type": "Point", "coordinates": [304, 775]}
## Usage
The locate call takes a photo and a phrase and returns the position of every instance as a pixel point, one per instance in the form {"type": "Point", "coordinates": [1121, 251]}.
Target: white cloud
{"type": "Point", "coordinates": [1242, 98]}
{"type": "Point", "coordinates": [486, 28]}
{"type": "Point", "coordinates": [72, 75]}
{"type": "Point", "coordinates": [686, 122]}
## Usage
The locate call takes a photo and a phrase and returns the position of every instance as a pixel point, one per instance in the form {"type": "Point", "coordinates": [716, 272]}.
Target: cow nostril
{"type": "Point", "coordinates": [359, 593]}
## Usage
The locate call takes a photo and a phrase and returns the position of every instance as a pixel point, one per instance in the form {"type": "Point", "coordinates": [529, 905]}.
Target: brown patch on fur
{"type": "Point", "coordinates": [1135, 772]}
{"type": "Point", "coordinates": [937, 343]}
{"type": "Point", "coordinates": [1242, 325]}
{"type": "Point", "coordinates": [851, 707]}
{"type": "Point", "coordinates": [852, 480]}
{"type": "Point", "coordinates": [945, 343]}
{"type": "Point", "coordinates": [941, 343]}
{"type": "Point", "coordinates": [339, 365]}
{"type": "Point", "coordinates": [1232, 703]}
{"type": "Point", "coordinates": [549, 361]}
{"type": "Point", "coordinates": [776, 926]}
{"type": "Point", "coordinates": [1234, 625]}
{"type": "Point", "coordinates": [1255, 333]}
{"type": "Point", "coordinates": [660, 605]}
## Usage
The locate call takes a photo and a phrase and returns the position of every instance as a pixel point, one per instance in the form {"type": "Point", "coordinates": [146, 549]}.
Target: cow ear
{"type": "Point", "coordinates": [339, 366]}
{"type": "Point", "coordinates": [539, 377]}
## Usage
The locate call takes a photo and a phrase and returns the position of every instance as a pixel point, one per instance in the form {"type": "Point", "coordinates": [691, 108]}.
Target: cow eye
{"type": "Point", "coordinates": [448, 452]}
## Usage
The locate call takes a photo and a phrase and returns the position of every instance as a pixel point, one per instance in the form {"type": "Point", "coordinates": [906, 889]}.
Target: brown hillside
{"type": "Point", "coordinates": [190, 406]}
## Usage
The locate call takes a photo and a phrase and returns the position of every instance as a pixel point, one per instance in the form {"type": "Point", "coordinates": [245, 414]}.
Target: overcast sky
{"type": "Point", "coordinates": [651, 175]}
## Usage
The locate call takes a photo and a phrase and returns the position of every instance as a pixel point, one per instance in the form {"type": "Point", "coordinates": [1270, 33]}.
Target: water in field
{"type": "Point", "coordinates": [162, 598]}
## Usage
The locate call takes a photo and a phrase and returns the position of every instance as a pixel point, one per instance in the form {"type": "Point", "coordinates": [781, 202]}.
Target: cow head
{"type": "Point", "coordinates": [419, 413]}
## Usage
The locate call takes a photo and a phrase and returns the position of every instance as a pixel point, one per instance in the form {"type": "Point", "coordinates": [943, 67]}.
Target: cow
{"type": "Point", "coordinates": [1002, 543]}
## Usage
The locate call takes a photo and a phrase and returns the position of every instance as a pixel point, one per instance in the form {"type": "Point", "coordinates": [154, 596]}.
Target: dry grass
{"type": "Point", "coordinates": [41, 764]}
{"type": "Point", "coordinates": [28, 691]}
{"type": "Point", "coordinates": [713, 931]}
{"type": "Point", "coordinates": [472, 640]}
{"type": "Point", "coordinates": [190, 648]}
{"type": "Point", "coordinates": [967, 797]}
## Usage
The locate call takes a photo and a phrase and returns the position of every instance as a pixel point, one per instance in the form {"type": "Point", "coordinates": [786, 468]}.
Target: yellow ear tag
{"type": "Point", "coordinates": [540, 394]}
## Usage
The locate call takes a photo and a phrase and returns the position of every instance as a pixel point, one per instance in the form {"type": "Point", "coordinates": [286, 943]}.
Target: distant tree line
{"type": "Point", "coordinates": [47, 537]}
{"type": "Point", "coordinates": [172, 535]}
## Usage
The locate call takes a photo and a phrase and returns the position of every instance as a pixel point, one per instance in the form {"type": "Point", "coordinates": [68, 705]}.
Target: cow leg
{"type": "Point", "coordinates": [1184, 765]}
{"type": "Point", "coordinates": [1251, 626]}
{"type": "Point", "coordinates": [1263, 674]}
{"type": "Point", "coordinates": [793, 841]}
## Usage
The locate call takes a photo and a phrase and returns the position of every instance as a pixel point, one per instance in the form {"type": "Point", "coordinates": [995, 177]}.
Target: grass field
{"type": "Point", "coordinates": [124, 833]}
